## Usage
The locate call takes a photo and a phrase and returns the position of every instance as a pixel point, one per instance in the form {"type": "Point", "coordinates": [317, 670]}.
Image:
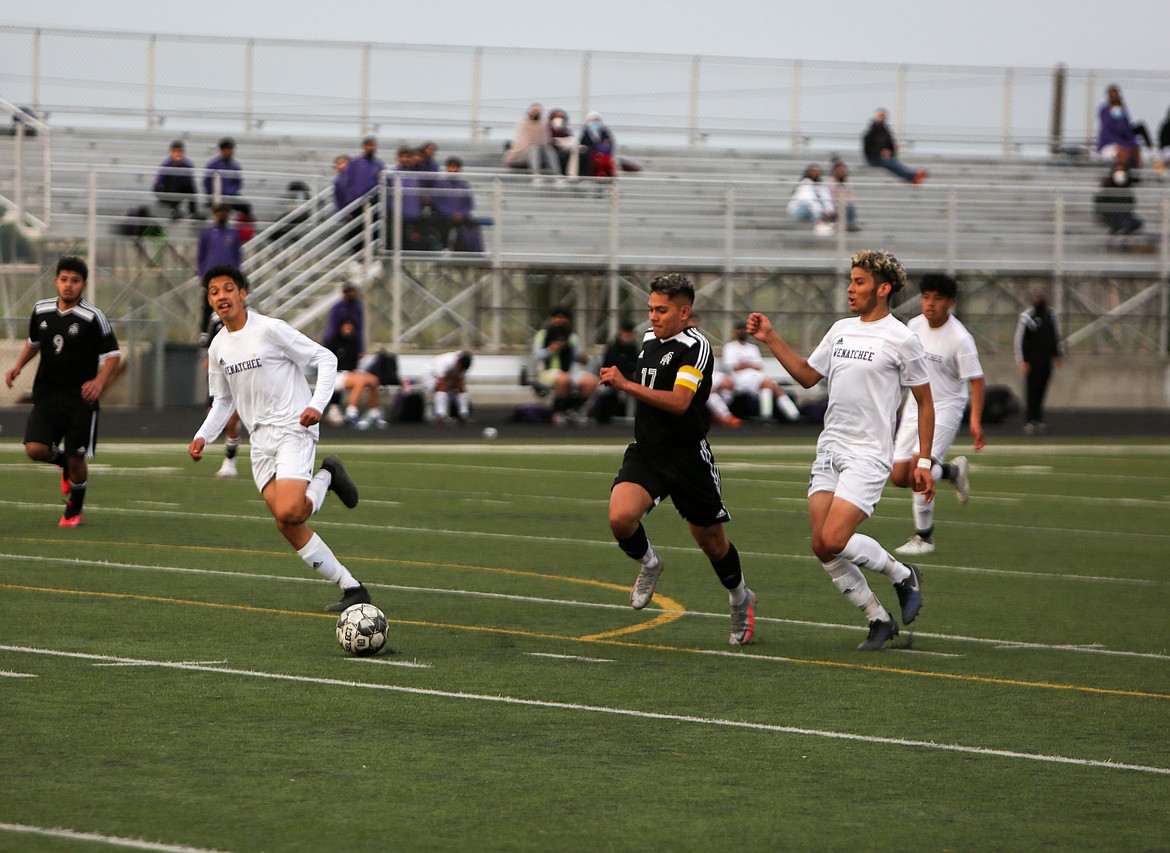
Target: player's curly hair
{"type": "Point", "coordinates": [882, 266]}
{"type": "Point", "coordinates": [673, 284]}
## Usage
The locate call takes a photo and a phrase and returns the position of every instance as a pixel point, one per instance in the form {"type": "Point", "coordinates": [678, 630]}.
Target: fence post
{"type": "Point", "coordinates": [1090, 85]}
{"type": "Point", "coordinates": [615, 232]}
{"type": "Point", "coordinates": [1007, 112]}
{"type": "Point", "coordinates": [476, 84]}
{"type": "Point", "coordinates": [160, 375]}
{"type": "Point", "coordinates": [586, 71]}
{"type": "Point", "coordinates": [795, 117]}
{"type": "Point", "coordinates": [1058, 255]}
{"type": "Point", "coordinates": [36, 71]}
{"type": "Point", "coordinates": [1056, 125]}
{"type": "Point", "coordinates": [47, 175]}
{"type": "Point", "coordinates": [497, 261]}
{"type": "Point", "coordinates": [1164, 319]}
{"type": "Point", "coordinates": [91, 234]}
{"type": "Point", "coordinates": [249, 68]}
{"type": "Point", "coordinates": [396, 277]}
{"type": "Point", "coordinates": [364, 91]}
{"type": "Point", "coordinates": [18, 170]}
{"type": "Point", "coordinates": [150, 78]}
{"type": "Point", "coordinates": [952, 229]}
{"type": "Point", "coordinates": [728, 262]}
{"type": "Point", "coordinates": [693, 120]}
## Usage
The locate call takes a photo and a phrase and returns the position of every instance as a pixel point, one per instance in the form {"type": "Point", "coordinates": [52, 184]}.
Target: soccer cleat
{"type": "Point", "coordinates": [879, 632]}
{"type": "Point", "coordinates": [743, 620]}
{"type": "Point", "coordinates": [960, 476]}
{"type": "Point", "coordinates": [349, 597]}
{"type": "Point", "coordinates": [70, 521]}
{"type": "Point", "coordinates": [916, 545]}
{"type": "Point", "coordinates": [910, 594]}
{"type": "Point", "coordinates": [227, 470]}
{"type": "Point", "coordinates": [730, 421]}
{"type": "Point", "coordinates": [643, 589]}
{"type": "Point", "coordinates": [341, 483]}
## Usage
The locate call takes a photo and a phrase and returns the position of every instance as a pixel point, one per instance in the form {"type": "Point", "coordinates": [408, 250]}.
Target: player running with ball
{"type": "Point", "coordinates": [254, 366]}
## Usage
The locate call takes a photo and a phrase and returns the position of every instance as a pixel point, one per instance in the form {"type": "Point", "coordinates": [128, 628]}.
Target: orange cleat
{"type": "Point", "coordinates": [74, 521]}
{"type": "Point", "coordinates": [64, 482]}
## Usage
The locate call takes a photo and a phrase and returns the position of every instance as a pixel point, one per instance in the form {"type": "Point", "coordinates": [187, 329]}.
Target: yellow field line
{"type": "Point", "coordinates": [607, 639]}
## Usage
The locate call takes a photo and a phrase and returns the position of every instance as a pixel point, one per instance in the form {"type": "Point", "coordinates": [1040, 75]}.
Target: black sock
{"type": "Point", "coordinates": [727, 567]}
{"type": "Point", "coordinates": [76, 499]}
{"type": "Point", "coordinates": [58, 458]}
{"type": "Point", "coordinates": [927, 533]}
{"type": "Point", "coordinates": [231, 448]}
{"type": "Point", "coordinates": [946, 471]}
{"type": "Point", "coordinates": [636, 545]}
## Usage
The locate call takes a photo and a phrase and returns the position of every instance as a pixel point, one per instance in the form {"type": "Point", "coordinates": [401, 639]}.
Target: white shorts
{"type": "Point", "coordinates": [946, 427]}
{"type": "Point", "coordinates": [747, 381]}
{"type": "Point", "coordinates": [283, 453]}
{"type": "Point", "coordinates": [859, 481]}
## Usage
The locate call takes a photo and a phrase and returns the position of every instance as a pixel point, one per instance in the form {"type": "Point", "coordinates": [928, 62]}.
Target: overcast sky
{"type": "Point", "coordinates": [1079, 33]}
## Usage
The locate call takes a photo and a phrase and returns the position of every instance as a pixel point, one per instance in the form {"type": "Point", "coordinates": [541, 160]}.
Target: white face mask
{"type": "Point", "coordinates": [558, 122]}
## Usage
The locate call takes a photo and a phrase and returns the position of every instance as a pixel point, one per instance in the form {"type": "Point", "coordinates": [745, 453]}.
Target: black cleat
{"type": "Point", "coordinates": [349, 597]}
{"type": "Point", "coordinates": [879, 633]}
{"type": "Point", "coordinates": [342, 484]}
{"type": "Point", "coordinates": [910, 594]}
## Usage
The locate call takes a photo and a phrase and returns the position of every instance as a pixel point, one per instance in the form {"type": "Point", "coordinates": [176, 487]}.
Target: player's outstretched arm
{"type": "Point", "coordinates": [760, 328]}
{"type": "Point", "coordinates": [978, 387]}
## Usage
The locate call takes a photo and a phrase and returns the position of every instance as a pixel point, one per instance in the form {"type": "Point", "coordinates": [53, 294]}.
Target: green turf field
{"type": "Point", "coordinates": [166, 674]}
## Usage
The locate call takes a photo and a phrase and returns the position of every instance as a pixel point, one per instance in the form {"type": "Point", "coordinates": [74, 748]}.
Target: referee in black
{"type": "Point", "coordinates": [79, 356]}
{"type": "Point", "coordinates": [670, 455]}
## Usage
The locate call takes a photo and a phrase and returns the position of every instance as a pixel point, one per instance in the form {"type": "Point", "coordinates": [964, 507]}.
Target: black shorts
{"type": "Point", "coordinates": [70, 422]}
{"type": "Point", "coordinates": [688, 476]}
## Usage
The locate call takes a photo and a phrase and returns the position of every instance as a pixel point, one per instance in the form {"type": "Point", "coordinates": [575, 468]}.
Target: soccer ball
{"type": "Point", "coordinates": [362, 629]}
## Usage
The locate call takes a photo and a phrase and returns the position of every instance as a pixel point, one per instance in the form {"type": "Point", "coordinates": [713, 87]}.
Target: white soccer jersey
{"type": "Point", "coordinates": [951, 361]}
{"type": "Point", "coordinates": [440, 367]}
{"type": "Point", "coordinates": [736, 355]}
{"type": "Point", "coordinates": [867, 365]}
{"type": "Point", "coordinates": [258, 371]}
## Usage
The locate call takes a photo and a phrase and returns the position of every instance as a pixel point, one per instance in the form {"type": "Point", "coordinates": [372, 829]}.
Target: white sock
{"type": "Point", "coordinates": [464, 402]}
{"type": "Point", "coordinates": [373, 414]}
{"type": "Point", "coordinates": [766, 400]}
{"type": "Point", "coordinates": [851, 583]}
{"type": "Point", "coordinates": [351, 412]}
{"type": "Point", "coordinates": [739, 594]}
{"type": "Point", "coordinates": [788, 407]}
{"type": "Point", "coordinates": [936, 472]}
{"type": "Point", "coordinates": [318, 556]}
{"type": "Point", "coordinates": [649, 558]}
{"type": "Point", "coordinates": [318, 488]}
{"type": "Point", "coordinates": [865, 552]}
{"type": "Point", "coordinates": [442, 405]}
{"type": "Point", "coordinates": [719, 406]}
{"type": "Point", "coordinates": [923, 512]}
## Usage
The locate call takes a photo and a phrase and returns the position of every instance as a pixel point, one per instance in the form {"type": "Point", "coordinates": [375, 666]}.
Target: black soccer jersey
{"type": "Point", "coordinates": [71, 345]}
{"type": "Point", "coordinates": [685, 359]}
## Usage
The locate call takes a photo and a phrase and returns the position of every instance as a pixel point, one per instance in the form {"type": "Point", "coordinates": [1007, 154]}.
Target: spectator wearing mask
{"type": "Point", "coordinates": [1118, 138]}
{"type": "Point", "coordinates": [532, 145]}
{"type": "Point", "coordinates": [598, 149]}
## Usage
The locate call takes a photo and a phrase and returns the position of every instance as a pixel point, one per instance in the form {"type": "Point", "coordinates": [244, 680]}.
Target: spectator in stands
{"type": "Point", "coordinates": [347, 346]}
{"type": "Point", "coordinates": [622, 353]}
{"type": "Point", "coordinates": [230, 175]}
{"type": "Point", "coordinates": [454, 211]}
{"type": "Point", "coordinates": [1118, 138]}
{"type": "Point", "coordinates": [566, 144]}
{"type": "Point", "coordinates": [426, 158]}
{"type": "Point", "coordinates": [881, 150]}
{"type": "Point", "coordinates": [175, 183]}
{"type": "Point", "coordinates": [363, 171]}
{"type": "Point", "coordinates": [447, 375]}
{"type": "Point", "coordinates": [1115, 202]}
{"type": "Point", "coordinates": [742, 362]}
{"type": "Point", "coordinates": [598, 149]}
{"type": "Point", "coordinates": [347, 309]}
{"type": "Point", "coordinates": [561, 366]}
{"type": "Point", "coordinates": [1037, 347]}
{"type": "Point", "coordinates": [341, 196]}
{"type": "Point", "coordinates": [532, 146]}
{"type": "Point", "coordinates": [841, 190]}
{"type": "Point", "coordinates": [219, 243]}
{"type": "Point", "coordinates": [417, 231]}
{"type": "Point", "coordinates": [812, 201]}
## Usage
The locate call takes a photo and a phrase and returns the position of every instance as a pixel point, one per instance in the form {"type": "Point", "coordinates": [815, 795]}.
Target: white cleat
{"type": "Point", "coordinates": [227, 471]}
{"type": "Point", "coordinates": [960, 476]}
{"type": "Point", "coordinates": [916, 546]}
{"type": "Point", "coordinates": [643, 589]}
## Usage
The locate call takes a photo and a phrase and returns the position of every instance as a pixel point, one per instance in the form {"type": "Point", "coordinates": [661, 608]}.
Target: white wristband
{"type": "Point", "coordinates": [925, 462]}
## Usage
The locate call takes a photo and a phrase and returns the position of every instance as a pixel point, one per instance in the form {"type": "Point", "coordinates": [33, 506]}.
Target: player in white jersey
{"type": "Point", "coordinates": [447, 376]}
{"type": "Point", "coordinates": [743, 369]}
{"type": "Point", "coordinates": [254, 366]}
{"type": "Point", "coordinates": [867, 359]}
{"type": "Point", "coordinates": [952, 361]}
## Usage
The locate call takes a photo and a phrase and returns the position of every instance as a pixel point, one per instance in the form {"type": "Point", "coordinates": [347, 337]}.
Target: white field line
{"type": "Point", "coordinates": [6, 674]}
{"type": "Point", "coordinates": [623, 608]}
{"type": "Point", "coordinates": [619, 712]}
{"type": "Point", "coordinates": [111, 840]}
{"type": "Point", "coordinates": [568, 657]}
{"type": "Point", "coordinates": [407, 664]}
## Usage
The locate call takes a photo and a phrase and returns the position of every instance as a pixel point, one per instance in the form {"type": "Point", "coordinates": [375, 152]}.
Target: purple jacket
{"type": "Point", "coordinates": [1115, 130]}
{"type": "Point", "coordinates": [452, 197]}
{"type": "Point", "coordinates": [346, 310]}
{"type": "Point", "coordinates": [412, 193]}
{"type": "Point", "coordinates": [218, 246]}
{"type": "Point", "coordinates": [175, 177]}
{"type": "Point", "coordinates": [361, 176]}
{"type": "Point", "coordinates": [231, 176]}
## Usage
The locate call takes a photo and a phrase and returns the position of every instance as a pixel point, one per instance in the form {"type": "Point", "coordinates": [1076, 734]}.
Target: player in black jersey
{"type": "Point", "coordinates": [79, 356]}
{"type": "Point", "coordinates": [670, 455]}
